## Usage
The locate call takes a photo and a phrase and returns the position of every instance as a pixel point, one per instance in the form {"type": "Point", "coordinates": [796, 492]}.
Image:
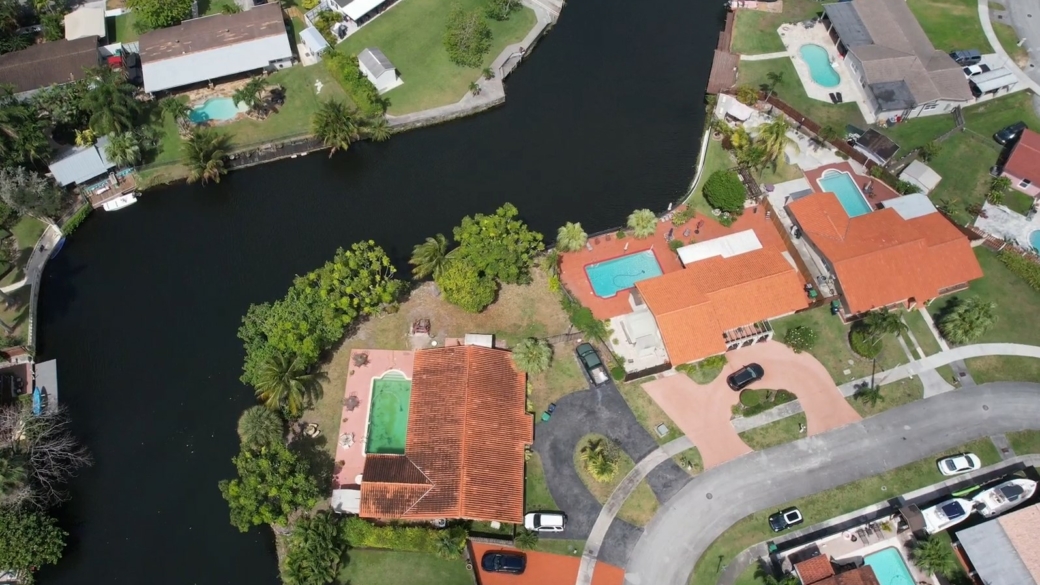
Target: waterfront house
{"type": "Point", "coordinates": [88, 169]}
{"type": "Point", "coordinates": [902, 74]}
{"type": "Point", "coordinates": [1023, 164]}
{"type": "Point", "coordinates": [1002, 551]}
{"type": "Point", "coordinates": [903, 255]}
{"type": "Point", "coordinates": [47, 64]}
{"type": "Point", "coordinates": [215, 48]}
{"type": "Point", "coordinates": [378, 69]}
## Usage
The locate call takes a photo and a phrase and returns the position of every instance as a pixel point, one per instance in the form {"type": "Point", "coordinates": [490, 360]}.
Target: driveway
{"type": "Point", "coordinates": [684, 527]}
{"type": "Point", "coordinates": [601, 410]}
{"type": "Point", "coordinates": [703, 412]}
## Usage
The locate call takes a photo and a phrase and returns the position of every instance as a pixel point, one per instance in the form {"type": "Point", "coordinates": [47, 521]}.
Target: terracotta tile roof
{"type": "Point", "coordinates": [814, 570]}
{"type": "Point", "coordinates": [464, 454]}
{"type": "Point", "coordinates": [693, 307]}
{"type": "Point", "coordinates": [861, 576]}
{"type": "Point", "coordinates": [880, 258]}
{"type": "Point", "coordinates": [1024, 161]}
{"type": "Point", "coordinates": [1020, 528]}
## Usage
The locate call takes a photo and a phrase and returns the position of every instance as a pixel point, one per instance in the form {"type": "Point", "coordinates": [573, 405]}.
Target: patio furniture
{"type": "Point", "coordinates": [346, 440]}
{"type": "Point", "coordinates": [311, 430]}
{"type": "Point", "coordinates": [421, 326]}
{"type": "Point", "coordinates": [686, 233]}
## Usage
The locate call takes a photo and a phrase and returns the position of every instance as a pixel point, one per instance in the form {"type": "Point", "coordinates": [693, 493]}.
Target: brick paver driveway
{"type": "Point", "coordinates": [703, 412]}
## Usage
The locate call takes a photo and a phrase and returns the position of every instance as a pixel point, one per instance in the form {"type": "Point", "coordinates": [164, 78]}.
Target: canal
{"type": "Point", "coordinates": [142, 306]}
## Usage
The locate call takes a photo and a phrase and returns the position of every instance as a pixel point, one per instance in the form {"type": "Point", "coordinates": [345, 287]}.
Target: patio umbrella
{"type": "Point", "coordinates": [352, 402]}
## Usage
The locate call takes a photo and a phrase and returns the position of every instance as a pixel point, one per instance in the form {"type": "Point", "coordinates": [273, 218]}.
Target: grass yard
{"type": "Point", "coordinates": [892, 395]}
{"type": "Point", "coordinates": [297, 27]}
{"type": "Point", "coordinates": [570, 548]}
{"type": "Point", "coordinates": [790, 90]}
{"type": "Point", "coordinates": [776, 433]}
{"type": "Point", "coordinates": [536, 492]}
{"type": "Point", "coordinates": [778, 172]}
{"type": "Point", "coordinates": [26, 233]}
{"type": "Point", "coordinates": [121, 28]}
{"type": "Point", "coordinates": [411, 33]}
{"type": "Point", "coordinates": [648, 413]}
{"type": "Point", "coordinates": [832, 347]}
{"type": "Point", "coordinates": [384, 567]}
{"type": "Point", "coordinates": [921, 332]}
{"type": "Point", "coordinates": [17, 315]}
{"type": "Point", "coordinates": [951, 24]}
{"type": "Point", "coordinates": [211, 7]}
{"type": "Point", "coordinates": [1009, 39]}
{"type": "Point", "coordinates": [1025, 442]}
{"type": "Point", "coordinates": [690, 461]}
{"type": "Point", "coordinates": [640, 507]}
{"type": "Point", "coordinates": [716, 159]}
{"type": "Point", "coordinates": [948, 374]}
{"type": "Point", "coordinates": [749, 576]}
{"type": "Point", "coordinates": [1017, 307]}
{"type": "Point", "coordinates": [828, 504]}
{"type": "Point", "coordinates": [755, 33]}
{"type": "Point", "coordinates": [1018, 201]}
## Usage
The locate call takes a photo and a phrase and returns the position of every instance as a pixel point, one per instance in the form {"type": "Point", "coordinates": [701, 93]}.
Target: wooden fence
{"type": "Point", "coordinates": [807, 123]}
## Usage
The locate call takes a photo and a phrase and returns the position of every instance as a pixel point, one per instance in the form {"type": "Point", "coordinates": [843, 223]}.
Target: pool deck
{"type": "Point", "coordinates": [350, 461]}
{"type": "Point", "coordinates": [881, 191]}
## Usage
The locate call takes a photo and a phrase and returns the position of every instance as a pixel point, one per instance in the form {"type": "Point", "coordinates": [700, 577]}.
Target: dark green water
{"type": "Point", "coordinates": [142, 305]}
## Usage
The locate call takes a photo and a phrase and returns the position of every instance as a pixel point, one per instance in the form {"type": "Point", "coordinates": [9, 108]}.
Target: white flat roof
{"type": "Point", "coordinates": [911, 206]}
{"type": "Point", "coordinates": [346, 501]}
{"type": "Point", "coordinates": [86, 21]}
{"type": "Point", "coordinates": [358, 8]}
{"type": "Point", "coordinates": [726, 246]}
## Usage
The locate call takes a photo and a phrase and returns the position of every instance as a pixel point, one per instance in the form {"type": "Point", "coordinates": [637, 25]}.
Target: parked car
{"type": "Point", "coordinates": [785, 519]}
{"type": "Point", "coordinates": [503, 561]}
{"type": "Point", "coordinates": [1010, 133]}
{"type": "Point", "coordinates": [957, 464]}
{"type": "Point", "coordinates": [967, 58]}
{"type": "Point", "coordinates": [545, 521]}
{"type": "Point", "coordinates": [975, 70]}
{"type": "Point", "coordinates": [591, 364]}
{"type": "Point", "coordinates": [741, 378]}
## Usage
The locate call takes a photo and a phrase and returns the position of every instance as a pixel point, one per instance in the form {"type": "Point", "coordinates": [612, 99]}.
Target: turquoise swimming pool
{"type": "Point", "coordinates": [218, 109]}
{"type": "Point", "coordinates": [844, 187]}
{"type": "Point", "coordinates": [611, 276]}
{"type": "Point", "coordinates": [820, 67]}
{"type": "Point", "coordinates": [1034, 240]}
{"type": "Point", "coordinates": [889, 567]}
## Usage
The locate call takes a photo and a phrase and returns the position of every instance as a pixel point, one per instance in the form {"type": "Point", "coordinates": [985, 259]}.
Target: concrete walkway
{"type": "Point", "coordinates": [1009, 63]}
{"type": "Point", "coordinates": [764, 56]}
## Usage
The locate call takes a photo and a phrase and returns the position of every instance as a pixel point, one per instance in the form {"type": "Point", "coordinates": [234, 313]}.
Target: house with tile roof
{"type": "Point", "coordinates": [468, 428]}
{"type": "Point", "coordinates": [900, 71]}
{"type": "Point", "coordinates": [1023, 164]}
{"type": "Point", "coordinates": [1003, 551]}
{"type": "Point", "coordinates": [905, 254]}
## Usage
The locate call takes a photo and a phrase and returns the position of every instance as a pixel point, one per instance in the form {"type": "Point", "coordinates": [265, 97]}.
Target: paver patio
{"type": "Point", "coordinates": [542, 569]}
{"type": "Point", "coordinates": [703, 412]}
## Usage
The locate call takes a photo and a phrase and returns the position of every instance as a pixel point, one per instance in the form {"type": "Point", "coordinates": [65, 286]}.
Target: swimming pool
{"type": "Point", "coordinates": [889, 567]}
{"type": "Point", "coordinates": [607, 278]}
{"type": "Point", "coordinates": [219, 109]}
{"type": "Point", "coordinates": [388, 416]}
{"type": "Point", "coordinates": [1034, 240]}
{"type": "Point", "coordinates": [820, 67]}
{"type": "Point", "coordinates": [844, 187]}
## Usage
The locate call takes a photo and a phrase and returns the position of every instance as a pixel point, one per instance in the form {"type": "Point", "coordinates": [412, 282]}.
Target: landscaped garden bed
{"type": "Point", "coordinates": [888, 396]}
{"type": "Point", "coordinates": [704, 371]}
{"type": "Point", "coordinates": [601, 465]}
{"type": "Point", "coordinates": [755, 401]}
{"type": "Point", "coordinates": [775, 433]}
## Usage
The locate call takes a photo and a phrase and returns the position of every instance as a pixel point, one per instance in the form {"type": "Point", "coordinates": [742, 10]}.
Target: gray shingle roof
{"type": "Point", "coordinates": [375, 61]}
{"type": "Point", "coordinates": [49, 63]}
{"type": "Point", "coordinates": [848, 24]}
{"type": "Point", "coordinates": [993, 555]}
{"type": "Point", "coordinates": [82, 163]}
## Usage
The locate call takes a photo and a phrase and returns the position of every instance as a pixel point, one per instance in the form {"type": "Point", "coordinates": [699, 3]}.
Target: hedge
{"type": "Point", "coordinates": [361, 91]}
{"type": "Point", "coordinates": [77, 218]}
{"type": "Point", "coordinates": [362, 534]}
{"type": "Point", "coordinates": [861, 344]}
{"type": "Point", "coordinates": [1027, 269]}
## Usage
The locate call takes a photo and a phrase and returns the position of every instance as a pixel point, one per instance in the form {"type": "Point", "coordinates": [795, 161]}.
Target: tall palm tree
{"type": "Point", "coordinates": [643, 223]}
{"type": "Point", "coordinates": [110, 101]}
{"type": "Point", "coordinates": [377, 128]}
{"type": "Point", "coordinates": [933, 555]}
{"type": "Point", "coordinates": [600, 460]}
{"type": "Point", "coordinates": [532, 356]}
{"type": "Point", "coordinates": [570, 237]}
{"type": "Point", "coordinates": [869, 395]}
{"type": "Point", "coordinates": [336, 125]}
{"type": "Point", "coordinates": [175, 107]}
{"type": "Point", "coordinates": [204, 151]}
{"type": "Point", "coordinates": [773, 138]}
{"type": "Point", "coordinates": [775, 78]}
{"type": "Point", "coordinates": [123, 149]}
{"type": "Point", "coordinates": [259, 426]}
{"type": "Point", "coordinates": [251, 94]}
{"type": "Point", "coordinates": [283, 383]}
{"type": "Point", "coordinates": [882, 322]}
{"type": "Point", "coordinates": [430, 257]}
{"type": "Point", "coordinates": [968, 320]}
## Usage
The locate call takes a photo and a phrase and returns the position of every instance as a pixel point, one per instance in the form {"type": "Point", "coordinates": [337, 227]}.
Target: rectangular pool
{"type": "Point", "coordinates": [611, 276]}
{"type": "Point", "coordinates": [388, 414]}
{"type": "Point", "coordinates": [844, 187]}
{"type": "Point", "coordinates": [889, 567]}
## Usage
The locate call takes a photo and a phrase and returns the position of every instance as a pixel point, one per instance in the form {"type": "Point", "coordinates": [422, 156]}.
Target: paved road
{"type": "Point", "coordinates": [1021, 15]}
{"type": "Point", "coordinates": [685, 526]}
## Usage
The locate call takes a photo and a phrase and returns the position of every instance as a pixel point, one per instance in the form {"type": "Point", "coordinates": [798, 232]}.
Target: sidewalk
{"type": "Point", "coordinates": [1009, 64]}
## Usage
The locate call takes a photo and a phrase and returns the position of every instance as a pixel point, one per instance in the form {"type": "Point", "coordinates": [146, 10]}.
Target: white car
{"type": "Point", "coordinates": [957, 464]}
{"type": "Point", "coordinates": [545, 521]}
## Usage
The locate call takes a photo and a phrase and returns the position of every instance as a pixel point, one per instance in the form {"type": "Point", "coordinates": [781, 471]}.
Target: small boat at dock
{"type": "Point", "coordinates": [120, 202]}
{"type": "Point", "coordinates": [946, 514]}
{"type": "Point", "coordinates": [1003, 497]}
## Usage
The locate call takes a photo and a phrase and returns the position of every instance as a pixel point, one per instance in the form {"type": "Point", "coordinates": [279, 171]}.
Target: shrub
{"type": "Point", "coordinates": [617, 372]}
{"type": "Point", "coordinates": [929, 150]}
{"type": "Point", "coordinates": [526, 539]}
{"type": "Point", "coordinates": [751, 398]}
{"type": "Point", "coordinates": [862, 345]}
{"type": "Point", "coordinates": [344, 68]}
{"type": "Point", "coordinates": [801, 338]}
{"type": "Point", "coordinates": [724, 191]}
{"type": "Point", "coordinates": [1028, 270]}
{"type": "Point", "coordinates": [683, 216]}
{"type": "Point", "coordinates": [622, 234]}
{"type": "Point", "coordinates": [674, 245]}
{"type": "Point", "coordinates": [361, 534]}
{"type": "Point", "coordinates": [582, 318]}
{"type": "Point", "coordinates": [77, 218]}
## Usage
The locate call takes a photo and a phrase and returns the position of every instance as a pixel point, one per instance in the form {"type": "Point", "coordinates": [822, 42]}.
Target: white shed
{"type": "Point", "coordinates": [379, 70]}
{"type": "Point", "coordinates": [921, 175]}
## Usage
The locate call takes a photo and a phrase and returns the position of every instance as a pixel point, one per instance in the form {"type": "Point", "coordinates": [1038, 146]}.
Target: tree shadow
{"type": "Point", "coordinates": [312, 450]}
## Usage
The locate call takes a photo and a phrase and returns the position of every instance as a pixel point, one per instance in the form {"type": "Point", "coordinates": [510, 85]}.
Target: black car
{"type": "Point", "coordinates": [785, 519]}
{"type": "Point", "coordinates": [966, 58]}
{"type": "Point", "coordinates": [741, 378]}
{"type": "Point", "coordinates": [504, 562]}
{"type": "Point", "coordinates": [1011, 133]}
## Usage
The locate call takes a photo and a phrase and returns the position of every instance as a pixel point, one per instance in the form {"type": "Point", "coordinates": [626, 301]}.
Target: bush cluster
{"type": "Point", "coordinates": [70, 226]}
{"type": "Point", "coordinates": [724, 191]}
{"type": "Point", "coordinates": [582, 318]}
{"type": "Point", "coordinates": [362, 534]}
{"type": "Point", "coordinates": [361, 91]}
{"type": "Point", "coordinates": [1028, 270]}
{"type": "Point", "coordinates": [862, 345]}
{"type": "Point", "coordinates": [801, 338]}
{"type": "Point", "coordinates": [682, 216]}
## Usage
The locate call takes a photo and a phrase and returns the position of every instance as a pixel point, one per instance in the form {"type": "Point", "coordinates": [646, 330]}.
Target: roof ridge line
{"type": "Point", "coordinates": [465, 429]}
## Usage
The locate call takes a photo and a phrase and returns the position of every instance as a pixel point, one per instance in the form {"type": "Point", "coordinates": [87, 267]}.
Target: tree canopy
{"type": "Point", "coordinates": [23, 135]}
{"type": "Point", "coordinates": [29, 539]}
{"type": "Point", "coordinates": [313, 550]}
{"type": "Point", "coordinates": [153, 14]}
{"type": "Point", "coordinates": [724, 191]}
{"type": "Point", "coordinates": [532, 356]}
{"type": "Point", "coordinates": [500, 246]}
{"type": "Point", "coordinates": [28, 192]}
{"type": "Point", "coordinates": [272, 483]}
{"type": "Point", "coordinates": [464, 286]}
{"type": "Point", "coordinates": [467, 38]}
{"type": "Point", "coordinates": [967, 320]}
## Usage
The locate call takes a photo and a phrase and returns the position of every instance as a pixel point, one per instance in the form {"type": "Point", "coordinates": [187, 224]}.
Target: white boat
{"type": "Point", "coordinates": [947, 514]}
{"type": "Point", "coordinates": [120, 202]}
{"type": "Point", "coordinates": [1003, 497]}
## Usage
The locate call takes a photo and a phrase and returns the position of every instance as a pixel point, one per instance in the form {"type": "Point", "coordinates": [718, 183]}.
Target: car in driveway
{"type": "Point", "coordinates": [748, 374]}
{"type": "Point", "coordinates": [966, 58]}
{"type": "Point", "coordinates": [504, 561]}
{"type": "Point", "coordinates": [958, 464]}
{"type": "Point", "coordinates": [593, 367]}
{"type": "Point", "coordinates": [1010, 133]}
{"type": "Point", "coordinates": [785, 519]}
{"type": "Point", "coordinates": [545, 521]}
{"type": "Point", "coordinates": [975, 70]}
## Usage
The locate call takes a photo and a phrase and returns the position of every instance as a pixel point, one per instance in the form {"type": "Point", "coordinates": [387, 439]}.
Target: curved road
{"type": "Point", "coordinates": [687, 524]}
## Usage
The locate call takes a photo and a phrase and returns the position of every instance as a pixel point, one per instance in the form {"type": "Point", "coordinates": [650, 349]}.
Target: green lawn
{"type": "Point", "coordinates": [776, 433]}
{"type": "Point", "coordinates": [690, 461]}
{"type": "Point", "coordinates": [297, 27]}
{"type": "Point", "coordinates": [26, 233]}
{"type": "Point", "coordinates": [640, 507]}
{"type": "Point", "coordinates": [748, 577]}
{"type": "Point", "coordinates": [715, 159]}
{"type": "Point", "coordinates": [832, 347]}
{"type": "Point", "coordinates": [1018, 201]}
{"type": "Point", "coordinates": [951, 24]}
{"type": "Point", "coordinates": [755, 33]}
{"type": "Point", "coordinates": [1009, 40]}
{"type": "Point", "coordinates": [1017, 308]}
{"type": "Point", "coordinates": [778, 172]}
{"type": "Point", "coordinates": [790, 90]}
{"type": "Point", "coordinates": [828, 504]}
{"type": "Point", "coordinates": [648, 413]}
{"type": "Point", "coordinates": [949, 375]}
{"type": "Point", "coordinates": [919, 131]}
{"type": "Point", "coordinates": [571, 548]}
{"type": "Point", "coordinates": [121, 28]}
{"type": "Point", "coordinates": [17, 315]}
{"type": "Point", "coordinates": [410, 34]}
{"type": "Point", "coordinates": [892, 395]}
{"type": "Point", "coordinates": [210, 7]}
{"type": "Point", "coordinates": [921, 332]}
{"type": "Point", "coordinates": [1025, 442]}
{"type": "Point", "coordinates": [386, 567]}
{"type": "Point", "coordinates": [536, 491]}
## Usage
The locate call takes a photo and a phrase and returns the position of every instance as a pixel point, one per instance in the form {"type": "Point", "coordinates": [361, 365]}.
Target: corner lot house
{"type": "Point", "coordinates": [903, 255]}
{"type": "Point", "coordinates": [215, 47]}
{"type": "Point", "coordinates": [900, 71]}
{"type": "Point", "coordinates": [47, 64]}
{"type": "Point", "coordinates": [378, 69]}
{"type": "Point", "coordinates": [1023, 165]}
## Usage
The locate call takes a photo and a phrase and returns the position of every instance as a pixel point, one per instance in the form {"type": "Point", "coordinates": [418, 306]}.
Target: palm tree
{"type": "Point", "coordinates": [525, 539]}
{"type": "Point", "coordinates": [110, 101]}
{"type": "Point", "coordinates": [968, 320]}
{"type": "Point", "coordinates": [933, 555]}
{"type": "Point", "coordinates": [314, 550]}
{"type": "Point", "coordinates": [747, 95]}
{"type": "Point", "coordinates": [764, 573]}
{"type": "Point", "coordinates": [879, 323]}
{"type": "Point", "coordinates": [570, 237]}
{"type": "Point", "coordinates": [123, 149]}
{"type": "Point", "coordinates": [204, 151]}
{"type": "Point", "coordinates": [775, 78]}
{"type": "Point", "coordinates": [773, 138]}
{"type": "Point", "coordinates": [430, 257]}
{"type": "Point", "coordinates": [828, 134]}
{"type": "Point", "coordinates": [869, 395]}
{"type": "Point", "coordinates": [450, 543]}
{"type": "Point", "coordinates": [284, 384]}
{"type": "Point", "coordinates": [377, 128]}
{"type": "Point", "coordinates": [259, 426]}
{"type": "Point", "coordinates": [474, 88]}
{"type": "Point", "coordinates": [643, 223]}
{"type": "Point", "coordinates": [85, 137]}
{"type": "Point", "coordinates": [997, 189]}
{"type": "Point", "coordinates": [12, 477]}
{"type": "Point", "coordinates": [488, 73]}
{"type": "Point", "coordinates": [336, 125]}
{"type": "Point", "coordinates": [600, 460]}
{"type": "Point", "coordinates": [175, 107]}
{"type": "Point", "coordinates": [251, 94]}
{"type": "Point", "coordinates": [532, 356]}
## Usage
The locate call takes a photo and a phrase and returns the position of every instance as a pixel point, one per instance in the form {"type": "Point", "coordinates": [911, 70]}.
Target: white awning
{"type": "Point", "coordinates": [358, 8]}
{"type": "Point", "coordinates": [346, 501]}
{"type": "Point", "coordinates": [726, 246]}
{"type": "Point", "coordinates": [994, 80]}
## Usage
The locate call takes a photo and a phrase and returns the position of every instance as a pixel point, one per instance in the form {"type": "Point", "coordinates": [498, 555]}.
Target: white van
{"type": "Point", "coordinates": [545, 521]}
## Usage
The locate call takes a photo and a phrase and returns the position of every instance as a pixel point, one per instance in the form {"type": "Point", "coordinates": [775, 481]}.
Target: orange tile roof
{"type": "Point", "coordinates": [880, 258]}
{"type": "Point", "coordinates": [464, 454]}
{"type": "Point", "coordinates": [543, 569]}
{"type": "Point", "coordinates": [693, 307]}
{"type": "Point", "coordinates": [862, 576]}
{"type": "Point", "coordinates": [1024, 161]}
{"type": "Point", "coordinates": [814, 570]}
